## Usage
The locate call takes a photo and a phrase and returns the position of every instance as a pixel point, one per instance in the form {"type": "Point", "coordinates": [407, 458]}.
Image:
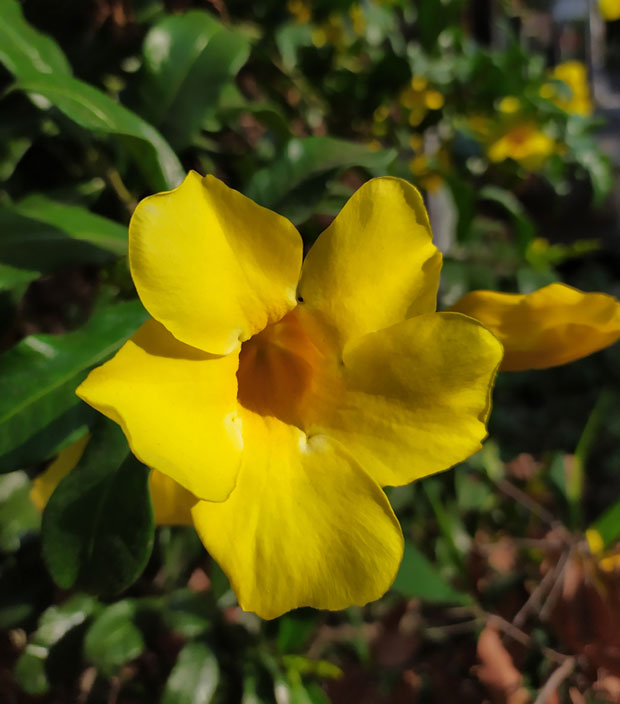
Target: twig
{"type": "Point", "coordinates": [534, 598]}
{"type": "Point", "coordinates": [115, 181]}
{"type": "Point", "coordinates": [554, 593]}
{"type": "Point", "coordinates": [515, 493]}
{"type": "Point", "coordinates": [522, 637]}
{"type": "Point", "coordinates": [558, 676]}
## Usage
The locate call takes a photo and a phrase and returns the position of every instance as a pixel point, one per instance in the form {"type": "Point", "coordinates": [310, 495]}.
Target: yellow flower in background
{"type": "Point", "coordinates": [554, 325]}
{"type": "Point", "coordinates": [609, 9]}
{"type": "Point", "coordinates": [171, 502]}
{"type": "Point", "coordinates": [575, 76]}
{"type": "Point", "coordinates": [525, 143]}
{"type": "Point", "coordinates": [285, 397]}
{"type": "Point", "coordinates": [300, 9]}
{"type": "Point", "coordinates": [509, 105]}
{"type": "Point", "coordinates": [418, 98]}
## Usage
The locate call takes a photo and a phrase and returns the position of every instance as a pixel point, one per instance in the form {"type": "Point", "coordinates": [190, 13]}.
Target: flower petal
{"type": "Point", "coordinates": [171, 502]}
{"type": "Point", "coordinates": [211, 265]}
{"type": "Point", "coordinates": [380, 241]}
{"type": "Point", "coordinates": [177, 407]}
{"type": "Point", "coordinates": [305, 526]}
{"type": "Point", "coordinates": [44, 485]}
{"type": "Point", "coordinates": [555, 325]}
{"type": "Point", "coordinates": [414, 397]}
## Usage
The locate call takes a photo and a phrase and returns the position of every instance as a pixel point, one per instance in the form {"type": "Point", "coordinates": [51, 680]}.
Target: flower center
{"type": "Point", "coordinates": [276, 368]}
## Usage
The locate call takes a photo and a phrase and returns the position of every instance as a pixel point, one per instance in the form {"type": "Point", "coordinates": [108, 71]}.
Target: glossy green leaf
{"type": "Point", "coordinates": [295, 181]}
{"type": "Point", "coordinates": [188, 61]}
{"type": "Point", "coordinates": [45, 644]}
{"type": "Point", "coordinates": [18, 515]}
{"type": "Point", "coordinates": [93, 110]}
{"type": "Point", "coordinates": [23, 49]}
{"type": "Point", "coordinates": [38, 234]}
{"type": "Point", "coordinates": [98, 525]}
{"type": "Point", "coordinates": [39, 411]}
{"type": "Point", "coordinates": [418, 578]}
{"type": "Point", "coordinates": [195, 676]}
{"type": "Point", "coordinates": [113, 639]}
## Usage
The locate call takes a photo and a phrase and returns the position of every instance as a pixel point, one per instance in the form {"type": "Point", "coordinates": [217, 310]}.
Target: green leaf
{"type": "Point", "coordinates": [113, 639]}
{"type": "Point", "coordinates": [38, 234]}
{"type": "Point", "coordinates": [39, 411]}
{"type": "Point", "coordinates": [607, 525]}
{"type": "Point", "coordinates": [93, 110]}
{"type": "Point", "coordinates": [295, 182]}
{"type": "Point", "coordinates": [188, 613]}
{"type": "Point", "coordinates": [195, 676]}
{"type": "Point", "coordinates": [18, 515]}
{"type": "Point", "coordinates": [31, 670]}
{"type": "Point", "coordinates": [98, 525]}
{"type": "Point", "coordinates": [419, 578]}
{"type": "Point", "coordinates": [188, 60]}
{"type": "Point", "coordinates": [13, 277]}
{"type": "Point", "coordinates": [24, 50]}
{"type": "Point", "coordinates": [512, 205]}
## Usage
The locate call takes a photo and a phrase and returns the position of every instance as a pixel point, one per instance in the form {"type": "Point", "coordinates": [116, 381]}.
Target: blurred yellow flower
{"type": "Point", "coordinates": [525, 143]}
{"type": "Point", "coordinates": [425, 176]}
{"type": "Point", "coordinates": [284, 398]}
{"type": "Point", "coordinates": [609, 9]}
{"type": "Point", "coordinates": [300, 10]}
{"type": "Point", "coordinates": [509, 105]}
{"type": "Point", "coordinates": [554, 325]}
{"type": "Point", "coordinates": [171, 502]}
{"type": "Point", "coordinates": [575, 76]}
{"type": "Point", "coordinates": [418, 99]}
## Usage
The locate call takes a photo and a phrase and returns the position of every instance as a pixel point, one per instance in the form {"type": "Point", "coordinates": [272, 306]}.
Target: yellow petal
{"type": "Point", "coordinates": [415, 397]}
{"type": "Point", "coordinates": [177, 407]}
{"type": "Point", "coordinates": [45, 484]}
{"type": "Point", "coordinates": [305, 526]}
{"type": "Point", "coordinates": [171, 502]}
{"type": "Point", "coordinates": [555, 325]}
{"type": "Point", "coordinates": [375, 265]}
{"type": "Point", "coordinates": [609, 9]}
{"type": "Point", "coordinates": [211, 265]}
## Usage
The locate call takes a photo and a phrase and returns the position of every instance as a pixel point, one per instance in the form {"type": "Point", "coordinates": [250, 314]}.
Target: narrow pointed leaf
{"type": "Point", "coordinates": [93, 110]}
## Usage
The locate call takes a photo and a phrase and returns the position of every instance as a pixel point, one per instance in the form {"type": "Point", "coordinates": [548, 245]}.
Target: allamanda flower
{"type": "Point", "coordinates": [285, 397]}
{"type": "Point", "coordinates": [554, 325]}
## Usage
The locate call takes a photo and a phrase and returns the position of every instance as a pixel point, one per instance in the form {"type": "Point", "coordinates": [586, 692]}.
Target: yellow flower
{"type": "Point", "coordinates": [509, 105]}
{"type": "Point", "coordinates": [575, 76]}
{"type": "Point", "coordinates": [609, 9]}
{"type": "Point", "coordinates": [300, 10]}
{"type": "Point", "coordinates": [555, 325]}
{"type": "Point", "coordinates": [525, 143]}
{"type": "Point", "coordinates": [171, 502]}
{"type": "Point", "coordinates": [285, 398]}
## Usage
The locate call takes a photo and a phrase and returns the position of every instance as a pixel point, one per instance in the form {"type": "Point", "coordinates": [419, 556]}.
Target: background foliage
{"type": "Point", "coordinates": [296, 104]}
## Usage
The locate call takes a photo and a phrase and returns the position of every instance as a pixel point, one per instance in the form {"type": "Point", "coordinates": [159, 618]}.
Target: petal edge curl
{"type": "Point", "coordinates": [211, 265]}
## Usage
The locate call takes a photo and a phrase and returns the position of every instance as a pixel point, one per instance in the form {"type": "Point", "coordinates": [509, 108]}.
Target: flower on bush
{"type": "Point", "coordinates": [284, 398]}
{"type": "Point", "coordinates": [609, 9]}
{"type": "Point", "coordinates": [554, 325]}
{"type": "Point", "coordinates": [524, 142]}
{"type": "Point", "coordinates": [574, 98]}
